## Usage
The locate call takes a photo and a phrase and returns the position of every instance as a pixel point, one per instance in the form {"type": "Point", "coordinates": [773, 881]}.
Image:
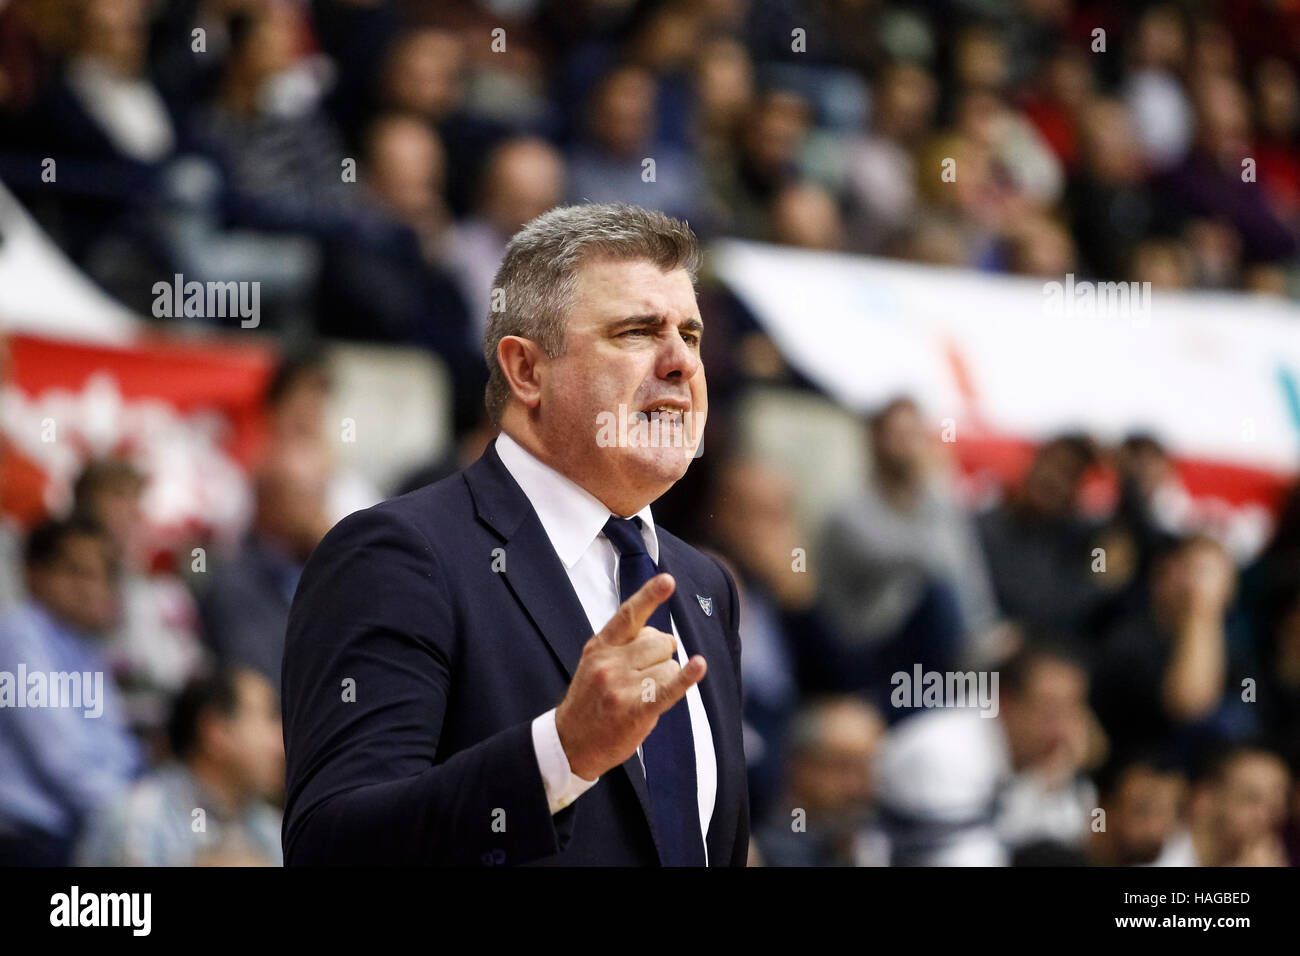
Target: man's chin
{"type": "Point", "coordinates": [664, 465]}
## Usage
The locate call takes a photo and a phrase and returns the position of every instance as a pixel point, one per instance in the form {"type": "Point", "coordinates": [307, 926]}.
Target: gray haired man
{"type": "Point", "coordinates": [515, 665]}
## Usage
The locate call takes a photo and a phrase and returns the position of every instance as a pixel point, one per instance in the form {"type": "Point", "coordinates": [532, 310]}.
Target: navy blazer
{"type": "Point", "coordinates": [426, 634]}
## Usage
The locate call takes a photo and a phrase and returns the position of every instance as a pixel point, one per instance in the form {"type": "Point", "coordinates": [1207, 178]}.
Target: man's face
{"type": "Point", "coordinates": [1252, 799]}
{"type": "Point", "coordinates": [79, 586]}
{"type": "Point", "coordinates": [899, 443]}
{"type": "Point", "coordinates": [1052, 485]}
{"type": "Point", "coordinates": [1051, 713]}
{"type": "Point", "coordinates": [632, 352]}
{"type": "Point", "coordinates": [1146, 468]}
{"type": "Point", "coordinates": [293, 492]}
{"type": "Point", "coordinates": [254, 748]}
{"type": "Point", "coordinates": [834, 781]}
{"type": "Point", "coordinates": [118, 508]}
{"type": "Point", "coordinates": [754, 503]}
{"type": "Point", "coordinates": [1146, 811]}
{"type": "Point", "coordinates": [527, 180]}
{"type": "Point", "coordinates": [406, 169]}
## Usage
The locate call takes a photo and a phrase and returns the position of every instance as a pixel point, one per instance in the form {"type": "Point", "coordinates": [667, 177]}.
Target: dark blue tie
{"type": "Point", "coordinates": [669, 751]}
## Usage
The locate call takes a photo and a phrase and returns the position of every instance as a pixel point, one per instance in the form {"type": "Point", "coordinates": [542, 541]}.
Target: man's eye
{"type": "Point", "coordinates": [637, 332]}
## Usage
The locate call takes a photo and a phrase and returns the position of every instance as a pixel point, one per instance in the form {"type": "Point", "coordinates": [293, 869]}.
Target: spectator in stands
{"type": "Point", "coordinates": [1153, 511]}
{"type": "Point", "coordinates": [882, 166]}
{"type": "Point", "coordinates": [402, 172]}
{"type": "Point", "coordinates": [66, 750]}
{"type": "Point", "coordinates": [805, 216]}
{"type": "Point", "coordinates": [611, 162]}
{"type": "Point", "coordinates": [1040, 246]}
{"type": "Point", "coordinates": [1021, 160]}
{"type": "Point", "coordinates": [1039, 545]}
{"type": "Point", "coordinates": [1152, 500]}
{"type": "Point", "coordinates": [789, 651]}
{"type": "Point", "coordinates": [156, 646]}
{"type": "Point", "coordinates": [1277, 112]}
{"type": "Point", "coordinates": [424, 73]}
{"type": "Point", "coordinates": [963, 217]}
{"type": "Point", "coordinates": [826, 814]}
{"type": "Point", "coordinates": [1169, 674]}
{"type": "Point", "coordinates": [1111, 206]}
{"type": "Point", "coordinates": [1208, 186]}
{"type": "Point", "coordinates": [1012, 101]}
{"type": "Point", "coordinates": [404, 292]}
{"type": "Point", "coordinates": [102, 120]}
{"type": "Point", "coordinates": [298, 403]}
{"type": "Point", "coordinates": [1277, 564]}
{"type": "Point", "coordinates": [771, 144]}
{"type": "Point", "coordinates": [1143, 801]}
{"type": "Point", "coordinates": [724, 95]}
{"type": "Point", "coordinates": [524, 178]}
{"type": "Point", "coordinates": [1271, 597]}
{"type": "Point", "coordinates": [1153, 91]}
{"type": "Point", "coordinates": [104, 105]}
{"type": "Point", "coordinates": [281, 153]}
{"type": "Point", "coordinates": [1235, 813]}
{"type": "Point", "coordinates": [959, 788]}
{"type": "Point", "coordinates": [882, 547]}
{"type": "Point", "coordinates": [214, 804]}
{"type": "Point", "coordinates": [245, 609]}
{"type": "Point", "coordinates": [405, 170]}
{"type": "Point", "coordinates": [665, 42]}
{"type": "Point", "coordinates": [1165, 263]}
{"type": "Point", "coordinates": [1279, 675]}
{"type": "Point", "coordinates": [1056, 98]}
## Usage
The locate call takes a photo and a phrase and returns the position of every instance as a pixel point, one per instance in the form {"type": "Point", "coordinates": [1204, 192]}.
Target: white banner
{"type": "Point", "coordinates": [1214, 376]}
{"type": "Point", "coordinates": [43, 293]}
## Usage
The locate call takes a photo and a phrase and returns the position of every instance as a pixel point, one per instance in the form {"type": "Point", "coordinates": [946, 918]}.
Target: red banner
{"type": "Point", "coordinates": [189, 415]}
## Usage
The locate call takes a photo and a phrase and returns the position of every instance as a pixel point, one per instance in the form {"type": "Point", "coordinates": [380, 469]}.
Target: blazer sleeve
{"type": "Point", "coordinates": [370, 655]}
{"type": "Point", "coordinates": [740, 849]}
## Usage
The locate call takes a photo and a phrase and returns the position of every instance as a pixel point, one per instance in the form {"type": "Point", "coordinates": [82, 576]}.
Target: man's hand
{"type": "Point", "coordinates": [1210, 580]}
{"type": "Point", "coordinates": [627, 677]}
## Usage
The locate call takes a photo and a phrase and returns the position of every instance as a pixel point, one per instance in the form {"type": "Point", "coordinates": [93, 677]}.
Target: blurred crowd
{"type": "Point", "coordinates": [365, 162]}
{"type": "Point", "coordinates": [1147, 709]}
{"type": "Point", "coordinates": [337, 149]}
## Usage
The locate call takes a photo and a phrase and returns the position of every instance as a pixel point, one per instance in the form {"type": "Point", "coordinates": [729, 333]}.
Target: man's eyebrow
{"type": "Point", "coordinates": [634, 321]}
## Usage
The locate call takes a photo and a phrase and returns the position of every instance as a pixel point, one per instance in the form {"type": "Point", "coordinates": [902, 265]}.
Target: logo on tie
{"type": "Point", "coordinates": [706, 604]}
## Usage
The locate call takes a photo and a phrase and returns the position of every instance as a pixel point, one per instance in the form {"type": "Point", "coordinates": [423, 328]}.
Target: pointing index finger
{"type": "Point", "coordinates": [633, 613]}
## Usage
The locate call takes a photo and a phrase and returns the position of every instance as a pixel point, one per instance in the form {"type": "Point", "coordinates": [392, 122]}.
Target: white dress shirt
{"type": "Point", "coordinates": [574, 521]}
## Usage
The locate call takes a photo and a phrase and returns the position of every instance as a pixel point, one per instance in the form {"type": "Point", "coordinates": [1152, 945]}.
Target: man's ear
{"type": "Point", "coordinates": [520, 360]}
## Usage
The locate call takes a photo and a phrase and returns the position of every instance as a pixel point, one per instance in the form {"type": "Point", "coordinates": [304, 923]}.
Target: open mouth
{"type": "Point", "coordinates": [667, 413]}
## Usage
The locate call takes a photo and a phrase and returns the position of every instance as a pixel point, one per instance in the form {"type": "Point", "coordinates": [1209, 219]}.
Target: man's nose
{"type": "Point", "coordinates": [676, 357]}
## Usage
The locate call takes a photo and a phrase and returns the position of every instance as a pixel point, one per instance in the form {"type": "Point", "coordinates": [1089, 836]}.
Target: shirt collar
{"type": "Point", "coordinates": [571, 516]}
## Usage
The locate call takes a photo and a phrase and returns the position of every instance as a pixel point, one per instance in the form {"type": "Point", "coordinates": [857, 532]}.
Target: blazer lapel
{"type": "Point", "coordinates": [536, 576]}
{"type": "Point", "coordinates": [531, 568]}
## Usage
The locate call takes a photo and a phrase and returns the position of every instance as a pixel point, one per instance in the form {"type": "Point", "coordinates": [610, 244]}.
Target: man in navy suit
{"type": "Point", "coordinates": [515, 665]}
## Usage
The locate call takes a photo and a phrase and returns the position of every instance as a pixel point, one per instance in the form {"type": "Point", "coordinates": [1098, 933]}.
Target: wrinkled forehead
{"type": "Point", "coordinates": [607, 289]}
